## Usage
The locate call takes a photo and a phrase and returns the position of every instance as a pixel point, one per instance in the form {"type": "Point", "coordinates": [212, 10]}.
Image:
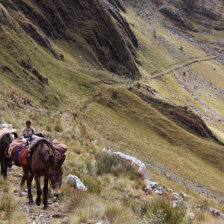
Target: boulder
{"type": "Point", "coordinates": [216, 213]}
{"type": "Point", "coordinates": [184, 195]}
{"type": "Point", "coordinates": [137, 164]}
{"type": "Point", "coordinates": [177, 200]}
{"type": "Point", "coordinates": [77, 183]}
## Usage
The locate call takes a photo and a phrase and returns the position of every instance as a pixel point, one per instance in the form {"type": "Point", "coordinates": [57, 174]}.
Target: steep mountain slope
{"type": "Point", "coordinates": [144, 77]}
{"type": "Point", "coordinates": [98, 23]}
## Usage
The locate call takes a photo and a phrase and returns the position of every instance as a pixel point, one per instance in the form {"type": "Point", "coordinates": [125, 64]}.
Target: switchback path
{"type": "Point", "coordinates": [180, 66]}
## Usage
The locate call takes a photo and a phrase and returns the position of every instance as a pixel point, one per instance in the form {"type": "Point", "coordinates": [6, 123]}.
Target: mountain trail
{"type": "Point", "coordinates": [180, 66]}
{"type": "Point", "coordinates": [34, 214]}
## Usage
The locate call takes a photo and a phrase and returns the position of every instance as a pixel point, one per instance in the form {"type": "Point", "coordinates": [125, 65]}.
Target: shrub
{"type": "Point", "coordinates": [58, 127]}
{"type": "Point", "coordinates": [90, 167]}
{"type": "Point", "coordinates": [92, 183]}
{"type": "Point", "coordinates": [162, 212]}
{"type": "Point", "coordinates": [107, 163]}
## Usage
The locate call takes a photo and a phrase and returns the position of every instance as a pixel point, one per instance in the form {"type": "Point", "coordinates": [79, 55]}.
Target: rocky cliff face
{"type": "Point", "coordinates": [208, 13]}
{"type": "Point", "coordinates": [99, 23]}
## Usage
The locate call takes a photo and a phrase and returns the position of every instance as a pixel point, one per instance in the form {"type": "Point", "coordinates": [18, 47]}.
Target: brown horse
{"type": "Point", "coordinates": [6, 161]}
{"type": "Point", "coordinates": [43, 162]}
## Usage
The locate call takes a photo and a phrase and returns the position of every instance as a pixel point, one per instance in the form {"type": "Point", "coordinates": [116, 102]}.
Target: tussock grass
{"type": "Point", "coordinates": [84, 207]}
{"type": "Point", "coordinates": [116, 213]}
{"type": "Point", "coordinates": [93, 184]}
{"type": "Point", "coordinates": [158, 212]}
{"type": "Point", "coordinates": [6, 205]}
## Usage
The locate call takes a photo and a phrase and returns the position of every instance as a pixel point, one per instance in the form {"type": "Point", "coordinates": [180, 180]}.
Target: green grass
{"type": "Point", "coordinates": [116, 117]}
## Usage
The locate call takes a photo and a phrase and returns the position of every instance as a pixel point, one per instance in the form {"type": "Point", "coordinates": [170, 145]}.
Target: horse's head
{"type": "Point", "coordinates": [55, 175]}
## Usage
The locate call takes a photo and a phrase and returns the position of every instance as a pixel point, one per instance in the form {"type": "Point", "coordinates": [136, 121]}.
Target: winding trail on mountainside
{"type": "Point", "coordinates": [180, 66]}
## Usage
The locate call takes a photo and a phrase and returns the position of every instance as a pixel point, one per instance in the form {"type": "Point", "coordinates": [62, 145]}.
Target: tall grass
{"type": "Point", "coordinates": [6, 205]}
{"type": "Point", "coordinates": [162, 212]}
{"type": "Point", "coordinates": [114, 164]}
{"type": "Point", "coordinates": [117, 213]}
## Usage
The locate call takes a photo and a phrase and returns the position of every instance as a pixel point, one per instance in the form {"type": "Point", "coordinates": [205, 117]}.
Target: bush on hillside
{"type": "Point", "coordinates": [114, 164]}
{"type": "Point", "coordinates": [92, 183]}
{"type": "Point", "coordinates": [162, 212]}
{"type": "Point", "coordinates": [58, 127]}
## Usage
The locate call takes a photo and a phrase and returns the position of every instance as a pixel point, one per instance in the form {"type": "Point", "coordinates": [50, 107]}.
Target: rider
{"type": "Point", "coordinates": [29, 130]}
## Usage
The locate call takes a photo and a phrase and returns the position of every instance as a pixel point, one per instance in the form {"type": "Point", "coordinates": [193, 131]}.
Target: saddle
{"type": "Point", "coordinates": [21, 149]}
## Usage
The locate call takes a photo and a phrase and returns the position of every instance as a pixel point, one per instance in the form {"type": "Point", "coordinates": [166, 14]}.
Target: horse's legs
{"type": "Point", "coordinates": [29, 186]}
{"type": "Point", "coordinates": [38, 200]}
{"type": "Point", "coordinates": [3, 167]}
{"type": "Point", "coordinates": [45, 192]}
{"type": "Point", "coordinates": [23, 180]}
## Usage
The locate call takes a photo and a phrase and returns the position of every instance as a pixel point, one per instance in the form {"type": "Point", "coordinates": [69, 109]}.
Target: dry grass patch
{"type": "Point", "coordinates": [6, 205]}
{"type": "Point", "coordinates": [117, 213]}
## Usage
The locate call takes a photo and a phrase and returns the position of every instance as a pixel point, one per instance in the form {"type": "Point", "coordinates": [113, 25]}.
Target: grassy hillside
{"type": "Point", "coordinates": [79, 88]}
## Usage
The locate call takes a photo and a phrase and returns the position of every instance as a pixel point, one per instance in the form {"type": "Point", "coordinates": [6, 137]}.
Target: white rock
{"type": "Point", "coordinates": [136, 163]}
{"type": "Point", "coordinates": [177, 200]}
{"type": "Point", "coordinates": [106, 149]}
{"type": "Point", "coordinates": [158, 191]}
{"type": "Point", "coordinates": [139, 167]}
{"type": "Point", "coordinates": [191, 215]}
{"type": "Point", "coordinates": [170, 190]}
{"type": "Point", "coordinates": [216, 212]}
{"type": "Point", "coordinates": [151, 185]}
{"type": "Point", "coordinates": [184, 195]}
{"type": "Point", "coordinates": [76, 182]}
{"type": "Point", "coordinates": [103, 222]}
{"type": "Point", "coordinates": [65, 220]}
{"type": "Point", "coordinates": [4, 125]}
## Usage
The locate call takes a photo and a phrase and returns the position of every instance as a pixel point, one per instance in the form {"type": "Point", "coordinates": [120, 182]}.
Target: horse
{"type": "Point", "coordinates": [6, 160]}
{"type": "Point", "coordinates": [43, 162]}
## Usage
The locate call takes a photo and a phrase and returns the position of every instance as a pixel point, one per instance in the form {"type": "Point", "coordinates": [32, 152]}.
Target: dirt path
{"type": "Point", "coordinates": [180, 66]}
{"type": "Point", "coordinates": [33, 214]}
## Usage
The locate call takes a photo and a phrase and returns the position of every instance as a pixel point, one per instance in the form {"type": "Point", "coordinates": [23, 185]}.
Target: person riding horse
{"type": "Point", "coordinates": [28, 131]}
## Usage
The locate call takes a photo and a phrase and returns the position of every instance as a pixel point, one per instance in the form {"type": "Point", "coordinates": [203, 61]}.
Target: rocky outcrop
{"type": "Point", "coordinates": [181, 115]}
{"type": "Point", "coordinates": [177, 16]}
{"type": "Point", "coordinates": [36, 73]}
{"type": "Point", "coordinates": [208, 13]}
{"type": "Point", "coordinates": [99, 23]}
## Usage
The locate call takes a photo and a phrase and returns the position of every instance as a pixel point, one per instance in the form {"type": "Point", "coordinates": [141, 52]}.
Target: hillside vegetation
{"type": "Point", "coordinates": [103, 70]}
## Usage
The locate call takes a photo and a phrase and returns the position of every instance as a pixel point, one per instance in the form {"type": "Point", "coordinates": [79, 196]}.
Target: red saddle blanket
{"type": "Point", "coordinates": [21, 155]}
